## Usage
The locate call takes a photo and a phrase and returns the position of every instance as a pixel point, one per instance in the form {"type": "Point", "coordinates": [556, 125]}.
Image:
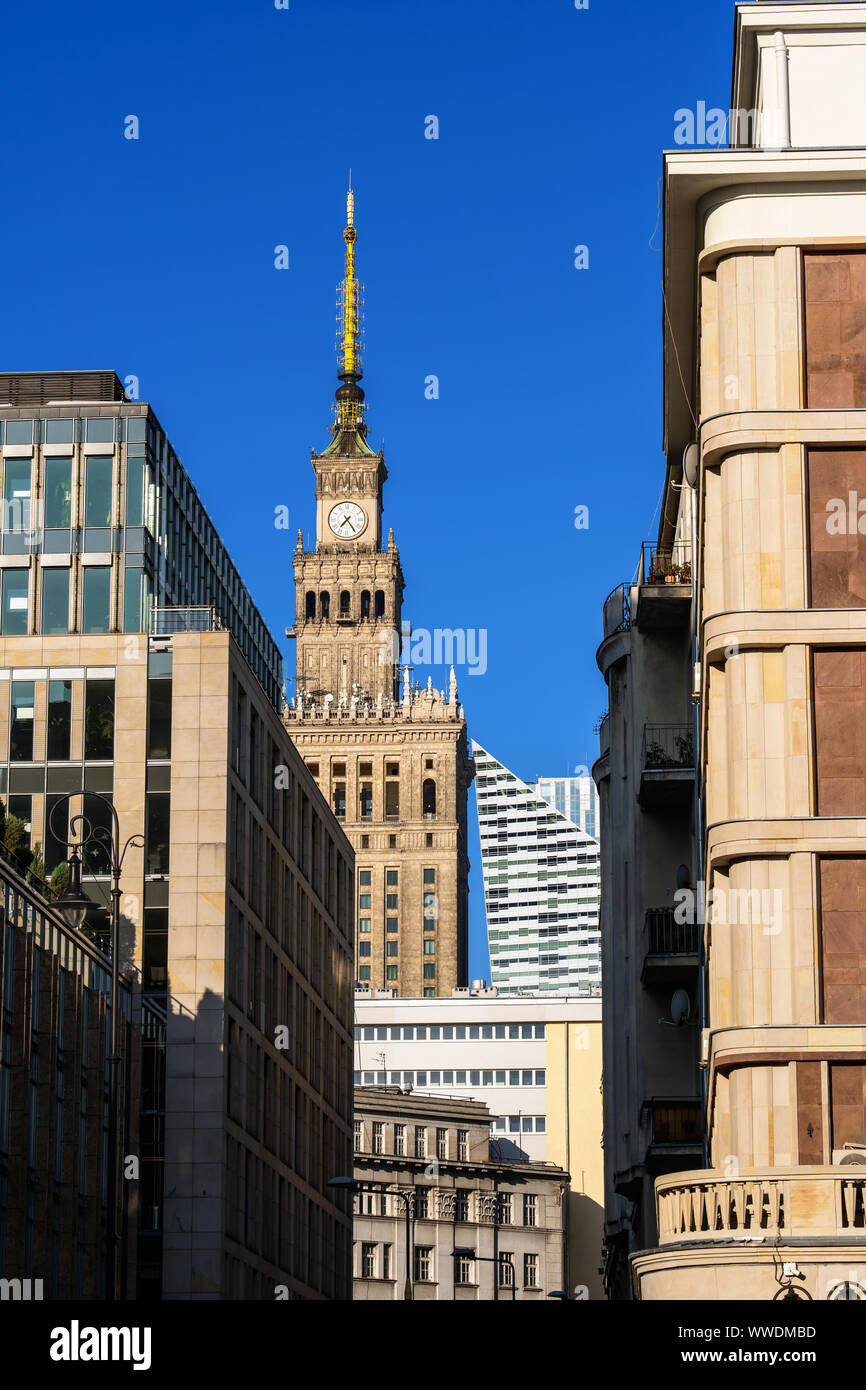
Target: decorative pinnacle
{"type": "Point", "coordinates": [349, 409]}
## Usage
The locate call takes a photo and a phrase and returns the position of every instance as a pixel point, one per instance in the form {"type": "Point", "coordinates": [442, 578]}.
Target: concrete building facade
{"type": "Point", "coordinates": [476, 1226]}
{"type": "Point", "coordinates": [765, 288]}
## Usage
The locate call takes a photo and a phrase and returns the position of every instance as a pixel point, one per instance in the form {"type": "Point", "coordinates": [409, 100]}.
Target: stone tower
{"type": "Point", "coordinates": [390, 757]}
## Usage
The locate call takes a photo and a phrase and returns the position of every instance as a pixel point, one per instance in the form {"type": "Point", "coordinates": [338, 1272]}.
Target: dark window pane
{"type": "Point", "coordinates": [97, 855]}
{"type": "Point", "coordinates": [137, 593]}
{"type": "Point", "coordinates": [97, 594]}
{"type": "Point", "coordinates": [99, 721]}
{"type": "Point", "coordinates": [58, 492]}
{"type": "Point", "coordinates": [159, 718]}
{"type": "Point", "coordinates": [13, 622]}
{"type": "Point", "coordinates": [155, 951]}
{"type": "Point", "coordinates": [21, 723]}
{"type": "Point", "coordinates": [97, 491]}
{"type": "Point", "coordinates": [59, 720]}
{"type": "Point", "coordinates": [55, 600]}
{"type": "Point", "coordinates": [56, 832]}
{"type": "Point", "coordinates": [156, 833]}
{"type": "Point", "coordinates": [135, 429]}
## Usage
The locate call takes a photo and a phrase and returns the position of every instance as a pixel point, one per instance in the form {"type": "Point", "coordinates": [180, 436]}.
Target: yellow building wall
{"type": "Point", "coordinates": [574, 1130]}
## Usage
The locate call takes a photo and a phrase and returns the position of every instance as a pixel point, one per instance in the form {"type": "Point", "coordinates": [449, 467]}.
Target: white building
{"type": "Point", "coordinates": [541, 875]}
{"type": "Point", "coordinates": [535, 1061]}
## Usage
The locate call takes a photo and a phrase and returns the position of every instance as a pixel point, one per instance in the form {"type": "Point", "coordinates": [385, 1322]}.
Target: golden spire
{"type": "Point", "coordinates": [350, 398]}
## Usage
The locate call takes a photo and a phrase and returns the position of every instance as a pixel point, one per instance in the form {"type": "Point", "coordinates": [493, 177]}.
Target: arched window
{"type": "Point", "coordinates": [345, 603]}
{"type": "Point", "coordinates": [365, 603]}
{"type": "Point", "coordinates": [428, 797]}
{"type": "Point", "coordinates": [380, 603]}
{"type": "Point", "coordinates": [324, 604]}
{"type": "Point", "coordinates": [311, 604]}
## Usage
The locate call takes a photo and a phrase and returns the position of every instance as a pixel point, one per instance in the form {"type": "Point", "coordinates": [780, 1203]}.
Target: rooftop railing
{"type": "Point", "coordinates": [165, 621]}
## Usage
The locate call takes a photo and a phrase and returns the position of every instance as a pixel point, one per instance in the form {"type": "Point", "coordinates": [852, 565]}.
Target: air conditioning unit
{"type": "Point", "coordinates": [850, 1154]}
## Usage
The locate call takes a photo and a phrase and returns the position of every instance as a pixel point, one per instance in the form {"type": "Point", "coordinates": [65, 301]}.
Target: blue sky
{"type": "Point", "coordinates": [156, 257]}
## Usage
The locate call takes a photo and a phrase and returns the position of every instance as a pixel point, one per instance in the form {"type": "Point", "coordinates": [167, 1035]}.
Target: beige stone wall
{"type": "Point", "coordinates": [751, 336]}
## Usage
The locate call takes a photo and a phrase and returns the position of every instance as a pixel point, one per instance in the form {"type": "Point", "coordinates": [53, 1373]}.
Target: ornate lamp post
{"type": "Point", "coordinates": [74, 904]}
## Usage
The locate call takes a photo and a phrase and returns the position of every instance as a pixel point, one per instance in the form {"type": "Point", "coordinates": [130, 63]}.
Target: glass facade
{"type": "Point", "coordinates": [110, 487]}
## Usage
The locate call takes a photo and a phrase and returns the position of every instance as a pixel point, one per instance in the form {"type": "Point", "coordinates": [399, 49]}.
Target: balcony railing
{"type": "Point", "coordinates": [665, 936]}
{"type": "Point", "coordinates": [195, 618]}
{"type": "Point", "coordinates": [701, 1206]}
{"type": "Point", "coordinates": [616, 611]}
{"type": "Point", "coordinates": [670, 564]}
{"type": "Point", "coordinates": [668, 748]}
{"type": "Point", "coordinates": [675, 1121]}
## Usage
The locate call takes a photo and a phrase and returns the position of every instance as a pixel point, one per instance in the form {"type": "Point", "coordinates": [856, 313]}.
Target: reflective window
{"type": "Point", "coordinates": [59, 431]}
{"type": "Point", "coordinates": [21, 722]}
{"type": "Point", "coordinates": [97, 598]}
{"type": "Point", "coordinates": [58, 492]}
{"type": "Point", "coordinates": [19, 431]}
{"type": "Point", "coordinates": [97, 491]}
{"type": "Point", "coordinates": [55, 600]}
{"type": "Point", "coordinates": [16, 495]}
{"type": "Point", "coordinates": [59, 720]}
{"type": "Point", "coordinates": [100, 431]}
{"type": "Point", "coordinates": [137, 598]}
{"type": "Point", "coordinates": [13, 622]}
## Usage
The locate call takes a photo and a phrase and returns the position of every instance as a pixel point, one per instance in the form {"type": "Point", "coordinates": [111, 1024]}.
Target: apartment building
{"type": "Point", "coordinates": [135, 667]}
{"type": "Point", "coordinates": [741, 909]}
{"type": "Point", "coordinates": [438, 1215]}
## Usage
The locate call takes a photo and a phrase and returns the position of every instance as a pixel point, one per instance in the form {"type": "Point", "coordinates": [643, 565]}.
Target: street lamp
{"type": "Point", "coordinates": [497, 1260]}
{"type": "Point", "coordinates": [367, 1185]}
{"type": "Point", "coordinates": [74, 905]}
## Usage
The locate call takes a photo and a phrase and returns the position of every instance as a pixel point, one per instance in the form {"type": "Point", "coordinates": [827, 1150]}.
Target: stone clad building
{"type": "Point", "coordinates": [756, 941]}
{"type": "Point", "coordinates": [134, 664]}
{"type": "Point", "coordinates": [435, 1153]}
{"type": "Point", "coordinates": [391, 758]}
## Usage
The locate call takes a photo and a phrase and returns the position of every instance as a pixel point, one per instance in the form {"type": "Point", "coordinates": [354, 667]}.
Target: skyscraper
{"type": "Point", "coordinates": [390, 757]}
{"type": "Point", "coordinates": [576, 798]}
{"type": "Point", "coordinates": [541, 887]}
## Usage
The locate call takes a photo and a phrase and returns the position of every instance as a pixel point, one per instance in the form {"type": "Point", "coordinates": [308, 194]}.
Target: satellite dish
{"type": "Point", "coordinates": [681, 1007]}
{"type": "Point", "coordinates": [691, 463]}
{"type": "Point", "coordinates": [853, 1156]}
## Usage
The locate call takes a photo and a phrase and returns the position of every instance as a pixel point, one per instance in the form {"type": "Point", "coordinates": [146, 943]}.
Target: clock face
{"type": "Point", "coordinates": [347, 520]}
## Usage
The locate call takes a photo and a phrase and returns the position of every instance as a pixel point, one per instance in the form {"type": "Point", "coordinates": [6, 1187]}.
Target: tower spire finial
{"type": "Point", "coordinates": [350, 397]}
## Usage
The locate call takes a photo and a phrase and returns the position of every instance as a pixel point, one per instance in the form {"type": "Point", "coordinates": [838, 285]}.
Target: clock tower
{"type": "Point", "coordinates": [391, 757]}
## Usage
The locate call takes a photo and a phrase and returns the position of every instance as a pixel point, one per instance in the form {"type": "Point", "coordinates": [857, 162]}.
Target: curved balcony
{"type": "Point", "coordinates": [783, 1203]}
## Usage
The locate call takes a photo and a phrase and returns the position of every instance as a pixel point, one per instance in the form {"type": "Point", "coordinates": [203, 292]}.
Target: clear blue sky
{"type": "Point", "coordinates": [156, 257]}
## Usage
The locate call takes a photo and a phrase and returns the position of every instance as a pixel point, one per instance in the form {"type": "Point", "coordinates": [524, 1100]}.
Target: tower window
{"type": "Point", "coordinates": [380, 603]}
{"type": "Point", "coordinates": [366, 801]}
{"type": "Point", "coordinates": [345, 603]}
{"type": "Point", "coordinates": [429, 797]}
{"type": "Point", "coordinates": [365, 769]}
{"type": "Point", "coordinates": [311, 605]}
{"type": "Point", "coordinates": [324, 604]}
{"type": "Point", "coordinates": [340, 800]}
{"type": "Point", "coordinates": [392, 841]}
{"type": "Point", "coordinates": [428, 841]}
{"type": "Point", "coordinates": [365, 603]}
